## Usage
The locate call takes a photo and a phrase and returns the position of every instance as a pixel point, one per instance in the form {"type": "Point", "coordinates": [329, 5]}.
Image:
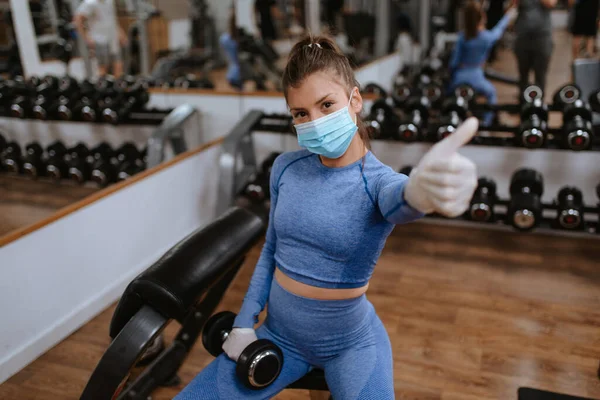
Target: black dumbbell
{"type": "Point", "coordinates": [259, 364]}
{"type": "Point", "coordinates": [465, 91]}
{"type": "Point", "coordinates": [432, 91]}
{"type": "Point", "coordinates": [2, 143]}
{"type": "Point", "coordinates": [406, 170]}
{"type": "Point", "coordinates": [19, 106]}
{"type": "Point", "coordinates": [77, 159]}
{"type": "Point", "coordinates": [534, 125]}
{"type": "Point", "coordinates": [417, 110]}
{"type": "Point", "coordinates": [483, 201]}
{"type": "Point", "coordinates": [257, 190]}
{"type": "Point", "coordinates": [525, 207]}
{"type": "Point", "coordinates": [33, 162]}
{"type": "Point", "coordinates": [104, 165]}
{"type": "Point", "coordinates": [130, 161]}
{"type": "Point", "coordinates": [133, 98]}
{"type": "Point", "coordinates": [578, 132]}
{"type": "Point", "coordinates": [56, 167]}
{"type": "Point", "coordinates": [454, 111]}
{"type": "Point", "coordinates": [11, 158]}
{"type": "Point", "coordinates": [532, 93]}
{"type": "Point", "coordinates": [267, 164]}
{"type": "Point", "coordinates": [382, 122]}
{"type": "Point", "coordinates": [86, 95]}
{"type": "Point", "coordinates": [373, 88]}
{"type": "Point", "coordinates": [565, 95]}
{"type": "Point", "coordinates": [594, 100]}
{"type": "Point", "coordinates": [570, 208]}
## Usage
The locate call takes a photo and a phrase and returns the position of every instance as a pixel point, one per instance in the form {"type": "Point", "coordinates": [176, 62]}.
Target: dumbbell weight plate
{"type": "Point", "coordinates": [570, 217]}
{"type": "Point", "coordinates": [259, 364]}
{"type": "Point", "coordinates": [568, 94]}
{"type": "Point", "coordinates": [531, 93]}
{"type": "Point", "coordinates": [464, 91]}
{"type": "Point", "coordinates": [526, 212]}
{"type": "Point", "coordinates": [215, 331]}
{"type": "Point", "coordinates": [529, 178]}
{"type": "Point", "coordinates": [594, 100]}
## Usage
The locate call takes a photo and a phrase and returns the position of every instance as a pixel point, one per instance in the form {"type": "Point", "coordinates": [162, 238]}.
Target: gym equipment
{"type": "Point", "coordinates": [402, 87]}
{"type": "Point", "coordinates": [578, 131]}
{"type": "Point", "coordinates": [77, 161]}
{"type": "Point", "coordinates": [534, 125]}
{"type": "Point", "coordinates": [104, 168]}
{"type": "Point", "coordinates": [465, 91]}
{"type": "Point", "coordinates": [19, 106]}
{"type": "Point", "coordinates": [56, 168]}
{"type": "Point", "coordinates": [532, 93]}
{"type": "Point", "coordinates": [259, 364]}
{"type": "Point", "coordinates": [406, 170]}
{"type": "Point", "coordinates": [117, 109]}
{"type": "Point", "coordinates": [11, 158]}
{"type": "Point", "coordinates": [412, 128]}
{"type": "Point", "coordinates": [594, 101]}
{"type": "Point", "coordinates": [258, 190]}
{"type": "Point", "coordinates": [570, 208]}
{"type": "Point", "coordinates": [565, 95]}
{"type": "Point", "coordinates": [373, 88]}
{"type": "Point", "coordinates": [129, 160]}
{"type": "Point", "coordinates": [483, 201]}
{"type": "Point", "coordinates": [454, 111]}
{"type": "Point", "coordinates": [525, 207]}
{"type": "Point", "coordinates": [33, 162]}
{"type": "Point", "coordinates": [2, 146]}
{"type": "Point", "coordinates": [382, 122]}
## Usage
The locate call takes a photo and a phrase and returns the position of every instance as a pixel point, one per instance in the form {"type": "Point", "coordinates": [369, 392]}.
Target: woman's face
{"type": "Point", "coordinates": [319, 95]}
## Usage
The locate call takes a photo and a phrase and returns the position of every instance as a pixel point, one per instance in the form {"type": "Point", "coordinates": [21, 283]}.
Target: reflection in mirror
{"type": "Point", "coordinates": [10, 59]}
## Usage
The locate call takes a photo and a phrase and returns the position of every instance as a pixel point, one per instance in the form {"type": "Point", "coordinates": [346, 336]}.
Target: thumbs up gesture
{"type": "Point", "coordinates": [444, 181]}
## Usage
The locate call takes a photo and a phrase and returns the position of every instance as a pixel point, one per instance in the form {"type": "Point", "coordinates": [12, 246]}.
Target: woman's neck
{"type": "Point", "coordinates": [355, 152]}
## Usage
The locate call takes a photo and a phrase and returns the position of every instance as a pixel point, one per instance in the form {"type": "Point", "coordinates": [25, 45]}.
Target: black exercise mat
{"type": "Point", "coordinates": [535, 394]}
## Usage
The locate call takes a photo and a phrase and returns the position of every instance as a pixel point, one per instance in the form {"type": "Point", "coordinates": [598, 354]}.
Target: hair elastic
{"type": "Point", "coordinates": [316, 44]}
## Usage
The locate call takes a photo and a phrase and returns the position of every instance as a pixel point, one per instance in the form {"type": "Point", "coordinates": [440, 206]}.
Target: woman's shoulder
{"type": "Point", "coordinates": [288, 158]}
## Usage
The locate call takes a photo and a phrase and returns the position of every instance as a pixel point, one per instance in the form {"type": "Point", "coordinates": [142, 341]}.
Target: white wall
{"type": "Point", "coordinates": [59, 277]}
{"type": "Point", "coordinates": [179, 34]}
{"type": "Point", "coordinates": [381, 71]}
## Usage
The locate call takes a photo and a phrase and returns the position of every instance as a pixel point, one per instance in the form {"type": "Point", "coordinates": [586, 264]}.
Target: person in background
{"type": "Point", "coordinates": [266, 11]}
{"type": "Point", "coordinates": [229, 44]}
{"type": "Point", "coordinates": [96, 22]}
{"type": "Point", "coordinates": [472, 49]}
{"type": "Point", "coordinates": [533, 42]}
{"type": "Point", "coordinates": [332, 9]}
{"type": "Point", "coordinates": [495, 12]}
{"type": "Point", "coordinates": [584, 25]}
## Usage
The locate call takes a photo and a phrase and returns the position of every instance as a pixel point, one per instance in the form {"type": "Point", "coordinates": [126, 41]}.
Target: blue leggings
{"type": "Point", "coordinates": [476, 78]}
{"type": "Point", "coordinates": [345, 338]}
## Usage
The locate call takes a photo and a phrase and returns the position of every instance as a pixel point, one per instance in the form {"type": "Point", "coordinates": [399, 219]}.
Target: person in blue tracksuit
{"type": "Point", "coordinates": [472, 50]}
{"type": "Point", "coordinates": [229, 44]}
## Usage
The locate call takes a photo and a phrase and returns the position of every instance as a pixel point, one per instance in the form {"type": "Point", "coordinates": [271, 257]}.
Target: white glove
{"type": "Point", "coordinates": [237, 341]}
{"type": "Point", "coordinates": [444, 181]}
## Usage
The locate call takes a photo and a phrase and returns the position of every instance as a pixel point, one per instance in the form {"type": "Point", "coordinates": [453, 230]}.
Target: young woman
{"type": "Point", "coordinates": [333, 206]}
{"type": "Point", "coordinates": [472, 50]}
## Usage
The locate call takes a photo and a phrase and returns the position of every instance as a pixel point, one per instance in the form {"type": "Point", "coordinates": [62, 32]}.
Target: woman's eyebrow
{"type": "Point", "coordinates": [317, 102]}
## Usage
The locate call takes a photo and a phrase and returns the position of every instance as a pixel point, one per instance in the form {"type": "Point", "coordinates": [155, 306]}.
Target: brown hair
{"type": "Point", "coordinates": [472, 16]}
{"type": "Point", "coordinates": [320, 53]}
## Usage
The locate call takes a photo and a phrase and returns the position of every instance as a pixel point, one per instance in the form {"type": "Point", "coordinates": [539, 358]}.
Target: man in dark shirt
{"type": "Point", "coordinates": [534, 44]}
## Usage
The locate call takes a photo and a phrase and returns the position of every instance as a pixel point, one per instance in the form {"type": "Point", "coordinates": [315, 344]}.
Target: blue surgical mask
{"type": "Point", "coordinates": [329, 136]}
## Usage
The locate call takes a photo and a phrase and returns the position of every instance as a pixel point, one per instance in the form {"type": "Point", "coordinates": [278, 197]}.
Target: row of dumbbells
{"type": "Point", "coordinates": [524, 209]}
{"type": "Point", "coordinates": [51, 98]}
{"type": "Point", "coordinates": [414, 124]}
{"type": "Point", "coordinates": [102, 164]}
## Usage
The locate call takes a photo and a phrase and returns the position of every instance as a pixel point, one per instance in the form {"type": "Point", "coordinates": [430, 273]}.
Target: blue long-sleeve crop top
{"type": "Point", "coordinates": [327, 226]}
{"type": "Point", "coordinates": [474, 52]}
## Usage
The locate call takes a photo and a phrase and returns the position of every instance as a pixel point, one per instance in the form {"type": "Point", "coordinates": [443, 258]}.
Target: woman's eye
{"type": "Point", "coordinates": [300, 114]}
{"type": "Point", "coordinates": [327, 104]}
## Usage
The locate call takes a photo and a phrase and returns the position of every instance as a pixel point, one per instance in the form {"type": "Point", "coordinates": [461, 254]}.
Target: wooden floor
{"type": "Point", "coordinates": [471, 313]}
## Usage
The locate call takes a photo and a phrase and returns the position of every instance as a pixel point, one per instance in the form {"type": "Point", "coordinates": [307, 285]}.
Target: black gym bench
{"type": "Point", "coordinates": [186, 284]}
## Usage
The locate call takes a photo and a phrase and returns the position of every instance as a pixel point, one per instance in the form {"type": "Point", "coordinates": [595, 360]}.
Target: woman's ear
{"type": "Point", "coordinates": [356, 104]}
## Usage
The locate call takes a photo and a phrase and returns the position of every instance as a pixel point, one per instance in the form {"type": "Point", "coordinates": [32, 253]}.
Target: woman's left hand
{"type": "Point", "coordinates": [444, 181]}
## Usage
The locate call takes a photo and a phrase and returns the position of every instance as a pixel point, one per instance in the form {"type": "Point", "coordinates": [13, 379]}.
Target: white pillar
{"type": "Point", "coordinates": [382, 28]}
{"type": "Point", "coordinates": [313, 16]}
{"type": "Point", "coordinates": [25, 36]}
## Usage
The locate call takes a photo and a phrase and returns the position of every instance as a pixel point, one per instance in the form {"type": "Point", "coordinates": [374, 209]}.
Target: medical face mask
{"type": "Point", "coordinates": [329, 136]}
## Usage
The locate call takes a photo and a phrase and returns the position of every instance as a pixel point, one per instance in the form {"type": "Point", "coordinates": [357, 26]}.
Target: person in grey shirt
{"type": "Point", "coordinates": [534, 44]}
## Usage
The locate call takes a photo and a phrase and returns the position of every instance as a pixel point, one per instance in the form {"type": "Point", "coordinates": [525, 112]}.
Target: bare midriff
{"type": "Point", "coordinates": [317, 293]}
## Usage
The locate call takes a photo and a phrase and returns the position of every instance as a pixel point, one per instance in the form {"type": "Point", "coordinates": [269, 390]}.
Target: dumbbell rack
{"type": "Point", "coordinates": [238, 166]}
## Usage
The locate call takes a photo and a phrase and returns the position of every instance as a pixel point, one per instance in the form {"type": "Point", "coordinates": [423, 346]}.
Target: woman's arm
{"type": "Point", "coordinates": [390, 199]}
{"type": "Point", "coordinates": [456, 53]}
{"type": "Point", "coordinates": [260, 284]}
{"type": "Point", "coordinates": [498, 30]}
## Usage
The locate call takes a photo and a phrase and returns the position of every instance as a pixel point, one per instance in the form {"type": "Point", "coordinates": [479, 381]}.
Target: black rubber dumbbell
{"type": "Point", "coordinates": [34, 164]}
{"type": "Point", "coordinates": [382, 122]}
{"type": "Point", "coordinates": [417, 112]}
{"type": "Point", "coordinates": [525, 208]}
{"type": "Point", "coordinates": [104, 165]}
{"type": "Point", "coordinates": [594, 100]}
{"type": "Point", "coordinates": [20, 106]}
{"type": "Point", "coordinates": [373, 88]}
{"type": "Point", "coordinates": [406, 170]}
{"type": "Point", "coordinates": [570, 208]}
{"type": "Point", "coordinates": [257, 190]}
{"type": "Point", "coordinates": [565, 95]}
{"type": "Point", "coordinates": [267, 164]}
{"type": "Point", "coordinates": [534, 125]}
{"type": "Point", "coordinates": [454, 111]}
{"type": "Point", "coordinates": [483, 201]}
{"type": "Point", "coordinates": [532, 93]}
{"type": "Point", "coordinates": [259, 364]}
{"type": "Point", "coordinates": [433, 92]}
{"type": "Point", "coordinates": [130, 161]}
{"type": "Point", "coordinates": [402, 89]}
{"type": "Point", "coordinates": [57, 168]}
{"type": "Point", "coordinates": [465, 91]}
{"type": "Point", "coordinates": [77, 160]}
{"type": "Point", "coordinates": [578, 132]}
{"type": "Point", "coordinates": [135, 97]}
{"type": "Point", "coordinates": [2, 143]}
{"type": "Point", "coordinates": [11, 158]}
